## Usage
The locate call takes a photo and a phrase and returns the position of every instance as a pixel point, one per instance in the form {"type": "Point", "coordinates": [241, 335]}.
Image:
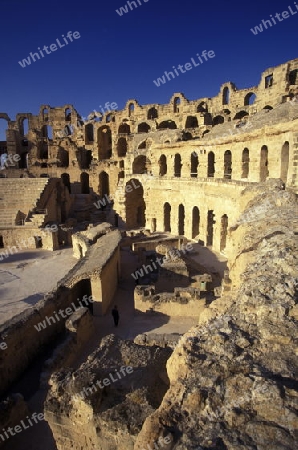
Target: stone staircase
{"type": "Point", "coordinates": [19, 201]}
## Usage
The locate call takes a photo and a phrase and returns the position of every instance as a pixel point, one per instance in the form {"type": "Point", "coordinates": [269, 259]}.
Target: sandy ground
{"type": "Point", "coordinates": [26, 276]}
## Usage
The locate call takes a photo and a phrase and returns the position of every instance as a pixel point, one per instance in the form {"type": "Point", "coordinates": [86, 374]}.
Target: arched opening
{"type": "Point", "coordinates": [141, 165]}
{"type": "Point", "coordinates": [104, 184]}
{"type": "Point", "coordinates": [134, 204]}
{"type": "Point", "coordinates": [211, 165]}
{"type": "Point", "coordinates": [223, 232]}
{"type": "Point", "coordinates": [202, 107]}
{"type": "Point", "coordinates": [47, 132]}
{"type": "Point", "coordinates": [68, 115]}
{"type": "Point", "coordinates": [131, 109]}
{"type": "Point", "coordinates": [264, 172]}
{"type": "Point", "coordinates": [177, 103]}
{"type": "Point", "coordinates": [268, 107]}
{"type": "Point", "coordinates": [66, 181]}
{"type": "Point", "coordinates": [124, 128]}
{"type": "Point", "coordinates": [245, 163]}
{"type": "Point", "coordinates": [45, 114]}
{"type": "Point", "coordinates": [177, 165]}
{"type": "Point", "coordinates": [284, 162]}
{"type": "Point", "coordinates": [85, 183]}
{"type": "Point", "coordinates": [226, 96]}
{"type": "Point", "coordinates": [142, 145]}
{"type": "Point", "coordinates": [167, 217]}
{"type": "Point", "coordinates": [104, 140]}
{"type": "Point", "coordinates": [143, 127]}
{"type": "Point", "coordinates": [210, 226]}
{"type": "Point", "coordinates": [191, 122]}
{"type": "Point", "coordinates": [181, 218]}
{"type": "Point", "coordinates": [293, 77]}
{"type": "Point", "coordinates": [24, 129]}
{"type": "Point", "coordinates": [167, 124]}
{"type": "Point", "coordinates": [228, 165]}
{"type": "Point", "coordinates": [218, 120]}
{"type": "Point", "coordinates": [89, 134]}
{"type": "Point", "coordinates": [1, 242]}
{"type": "Point", "coordinates": [240, 115]}
{"type": "Point", "coordinates": [249, 99]}
{"type": "Point", "coordinates": [194, 164]}
{"type": "Point", "coordinates": [121, 147]}
{"type": "Point", "coordinates": [63, 157]}
{"type": "Point", "coordinates": [195, 222]}
{"type": "Point", "coordinates": [162, 165]}
{"type": "Point", "coordinates": [152, 113]}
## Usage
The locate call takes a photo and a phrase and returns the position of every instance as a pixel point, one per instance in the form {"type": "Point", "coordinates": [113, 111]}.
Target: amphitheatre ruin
{"type": "Point", "coordinates": [185, 216]}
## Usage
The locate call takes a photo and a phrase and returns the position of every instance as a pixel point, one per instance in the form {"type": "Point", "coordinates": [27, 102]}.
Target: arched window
{"type": "Point", "coordinates": [104, 141]}
{"type": "Point", "coordinates": [143, 127]}
{"type": "Point", "coordinates": [195, 222]}
{"type": "Point", "coordinates": [249, 99]}
{"type": "Point", "coordinates": [104, 184]}
{"type": "Point", "coordinates": [167, 217]}
{"type": "Point", "coordinates": [89, 134]}
{"type": "Point", "coordinates": [211, 165]}
{"type": "Point", "coordinates": [131, 108]}
{"type": "Point", "coordinates": [223, 232]}
{"type": "Point", "coordinates": [177, 103]}
{"type": "Point", "coordinates": [68, 115]}
{"type": "Point", "coordinates": [284, 161]}
{"type": "Point", "coordinates": [162, 165]}
{"type": "Point", "coordinates": [181, 218]}
{"type": "Point", "coordinates": [194, 163]}
{"type": "Point", "coordinates": [124, 128]}
{"type": "Point", "coordinates": [45, 114]}
{"type": "Point", "coordinates": [226, 96]}
{"type": "Point", "coordinates": [121, 147]}
{"type": "Point", "coordinates": [152, 113]}
{"type": "Point", "coordinates": [177, 165]}
{"type": "Point", "coordinates": [245, 163]}
{"type": "Point", "coordinates": [264, 172]}
{"type": "Point", "coordinates": [228, 165]}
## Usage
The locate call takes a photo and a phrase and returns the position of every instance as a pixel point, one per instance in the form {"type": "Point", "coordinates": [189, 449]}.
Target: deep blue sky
{"type": "Point", "coordinates": [117, 58]}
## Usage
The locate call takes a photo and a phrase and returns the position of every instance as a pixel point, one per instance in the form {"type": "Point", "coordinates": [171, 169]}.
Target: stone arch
{"type": "Point", "coordinates": [245, 163]}
{"type": "Point", "coordinates": [104, 141]}
{"type": "Point", "coordinates": [143, 127]}
{"type": "Point", "coordinates": [131, 109]}
{"type": "Point", "coordinates": [195, 222]}
{"type": "Point", "coordinates": [89, 134]}
{"type": "Point", "coordinates": [191, 122]}
{"type": "Point", "coordinates": [264, 172]}
{"type": "Point", "coordinates": [226, 95]}
{"type": "Point", "coordinates": [63, 157]}
{"type": "Point", "coordinates": [211, 165]}
{"type": "Point", "coordinates": [181, 219]}
{"type": "Point", "coordinates": [135, 206]}
{"type": "Point", "coordinates": [104, 184]}
{"type": "Point", "coordinates": [141, 165]}
{"type": "Point", "coordinates": [223, 232]}
{"type": "Point", "coordinates": [249, 99]}
{"type": "Point", "coordinates": [121, 147]}
{"type": "Point", "coordinates": [194, 164]}
{"type": "Point", "coordinates": [167, 124]}
{"type": "Point", "coordinates": [85, 189]}
{"type": "Point", "coordinates": [152, 113]}
{"type": "Point", "coordinates": [67, 114]}
{"type": "Point", "coordinates": [163, 168]}
{"type": "Point", "coordinates": [176, 104]}
{"type": "Point", "coordinates": [210, 227]}
{"type": "Point", "coordinates": [167, 217]}
{"type": "Point", "coordinates": [268, 107]}
{"type": "Point", "coordinates": [202, 107]}
{"type": "Point", "coordinates": [66, 181]}
{"type": "Point", "coordinates": [177, 165]}
{"type": "Point", "coordinates": [240, 115]}
{"type": "Point", "coordinates": [45, 114]}
{"type": "Point", "coordinates": [228, 165]}
{"type": "Point", "coordinates": [142, 145]}
{"type": "Point", "coordinates": [124, 128]}
{"type": "Point", "coordinates": [217, 120]}
{"type": "Point", "coordinates": [284, 161]}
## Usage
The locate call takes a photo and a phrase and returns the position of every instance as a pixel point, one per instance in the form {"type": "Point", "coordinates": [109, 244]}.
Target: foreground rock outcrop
{"type": "Point", "coordinates": [234, 378]}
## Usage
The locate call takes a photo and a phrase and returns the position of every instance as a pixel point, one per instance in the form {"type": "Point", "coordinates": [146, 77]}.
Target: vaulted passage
{"type": "Point", "coordinates": [143, 127]}
{"type": "Point", "coordinates": [66, 181]}
{"type": "Point", "coordinates": [245, 163]}
{"type": "Point", "coordinates": [195, 222]}
{"type": "Point", "coordinates": [167, 124]}
{"type": "Point", "coordinates": [228, 165]}
{"type": "Point", "coordinates": [284, 162]}
{"type": "Point", "coordinates": [210, 226]}
{"type": "Point", "coordinates": [162, 165]}
{"type": "Point", "coordinates": [104, 184]}
{"type": "Point", "coordinates": [121, 147]}
{"type": "Point", "coordinates": [181, 219]}
{"type": "Point", "coordinates": [141, 165]}
{"type": "Point", "coordinates": [134, 204]}
{"type": "Point", "coordinates": [104, 140]}
{"type": "Point", "coordinates": [152, 114]}
{"type": "Point", "coordinates": [223, 232]}
{"type": "Point", "coordinates": [167, 217]}
{"type": "Point", "coordinates": [264, 172]}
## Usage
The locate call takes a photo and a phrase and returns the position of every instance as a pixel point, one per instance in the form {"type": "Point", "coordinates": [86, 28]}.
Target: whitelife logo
{"type": "Point", "coordinates": [53, 47]}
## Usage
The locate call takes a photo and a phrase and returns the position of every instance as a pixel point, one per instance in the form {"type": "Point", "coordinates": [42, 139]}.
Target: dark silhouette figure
{"type": "Point", "coordinates": [115, 314]}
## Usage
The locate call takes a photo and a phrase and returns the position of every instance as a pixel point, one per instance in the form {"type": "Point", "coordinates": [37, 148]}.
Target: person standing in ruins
{"type": "Point", "coordinates": [115, 314]}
